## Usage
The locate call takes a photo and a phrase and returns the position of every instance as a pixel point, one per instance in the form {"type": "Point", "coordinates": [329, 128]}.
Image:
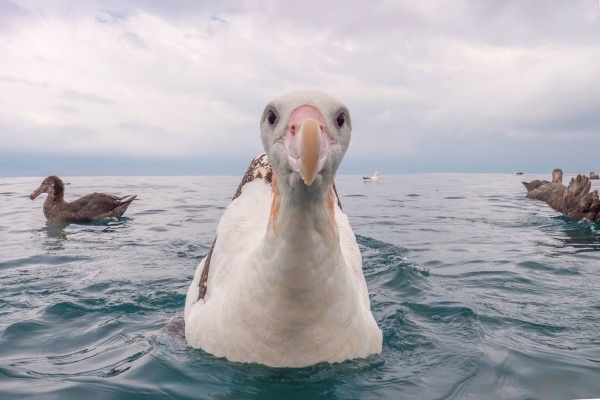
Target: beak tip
{"type": "Point", "coordinates": [308, 177]}
{"type": "Point", "coordinates": [36, 193]}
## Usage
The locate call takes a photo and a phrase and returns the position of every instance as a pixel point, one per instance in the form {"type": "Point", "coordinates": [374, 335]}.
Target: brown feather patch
{"type": "Point", "coordinates": [336, 196]}
{"type": "Point", "coordinates": [204, 277]}
{"type": "Point", "coordinates": [260, 168]}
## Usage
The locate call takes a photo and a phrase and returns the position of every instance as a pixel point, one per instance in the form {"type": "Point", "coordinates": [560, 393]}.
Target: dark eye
{"type": "Point", "coordinates": [340, 120]}
{"type": "Point", "coordinates": [271, 117]}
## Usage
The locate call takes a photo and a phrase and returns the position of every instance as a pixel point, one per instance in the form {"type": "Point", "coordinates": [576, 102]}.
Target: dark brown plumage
{"type": "Point", "coordinates": [551, 193]}
{"type": "Point", "coordinates": [91, 207]}
{"type": "Point", "coordinates": [557, 176]}
{"type": "Point", "coordinates": [575, 202]}
{"type": "Point", "coordinates": [593, 175]}
{"type": "Point", "coordinates": [580, 201]}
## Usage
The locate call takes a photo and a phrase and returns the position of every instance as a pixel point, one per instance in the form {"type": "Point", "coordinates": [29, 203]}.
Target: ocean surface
{"type": "Point", "coordinates": [480, 294]}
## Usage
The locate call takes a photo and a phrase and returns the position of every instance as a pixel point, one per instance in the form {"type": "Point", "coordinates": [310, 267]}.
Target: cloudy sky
{"type": "Point", "coordinates": [164, 87]}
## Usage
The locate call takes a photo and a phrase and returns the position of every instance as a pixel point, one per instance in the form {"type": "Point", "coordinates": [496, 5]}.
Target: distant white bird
{"type": "Point", "coordinates": [283, 284]}
{"type": "Point", "coordinates": [372, 178]}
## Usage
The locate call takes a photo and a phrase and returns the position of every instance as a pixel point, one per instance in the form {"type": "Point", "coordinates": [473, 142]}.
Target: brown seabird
{"type": "Point", "coordinates": [91, 207]}
{"type": "Point", "coordinates": [557, 175]}
{"type": "Point", "coordinates": [576, 201]}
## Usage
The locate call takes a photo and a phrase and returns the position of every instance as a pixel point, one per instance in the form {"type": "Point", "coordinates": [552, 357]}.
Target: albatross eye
{"type": "Point", "coordinates": [271, 117]}
{"type": "Point", "coordinates": [340, 120]}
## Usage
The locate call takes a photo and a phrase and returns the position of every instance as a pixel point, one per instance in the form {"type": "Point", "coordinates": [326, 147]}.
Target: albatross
{"type": "Point", "coordinates": [282, 284]}
{"type": "Point", "coordinates": [91, 207]}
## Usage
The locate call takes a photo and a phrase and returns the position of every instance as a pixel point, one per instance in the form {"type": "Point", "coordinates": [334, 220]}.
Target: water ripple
{"type": "Point", "coordinates": [479, 292]}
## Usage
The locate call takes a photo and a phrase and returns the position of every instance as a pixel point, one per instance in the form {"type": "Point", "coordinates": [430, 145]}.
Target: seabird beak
{"type": "Point", "coordinates": [37, 192]}
{"type": "Point", "coordinates": [307, 143]}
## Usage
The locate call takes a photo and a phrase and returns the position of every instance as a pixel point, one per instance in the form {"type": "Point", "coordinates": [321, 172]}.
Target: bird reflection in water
{"type": "Point", "coordinates": [57, 232]}
{"type": "Point", "coordinates": [56, 235]}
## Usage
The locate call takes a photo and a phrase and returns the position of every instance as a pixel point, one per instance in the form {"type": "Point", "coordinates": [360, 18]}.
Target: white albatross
{"type": "Point", "coordinates": [372, 178]}
{"type": "Point", "coordinates": [283, 284]}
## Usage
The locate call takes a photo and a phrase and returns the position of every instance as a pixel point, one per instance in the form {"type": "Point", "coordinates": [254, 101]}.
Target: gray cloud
{"type": "Point", "coordinates": [134, 40]}
{"type": "Point", "coordinates": [431, 84]}
{"type": "Point", "coordinates": [12, 79]}
{"type": "Point", "coordinates": [72, 95]}
{"type": "Point", "coordinates": [137, 126]}
{"type": "Point", "coordinates": [45, 139]}
{"type": "Point", "coordinates": [10, 15]}
{"type": "Point", "coordinates": [66, 108]}
{"type": "Point", "coordinates": [107, 17]}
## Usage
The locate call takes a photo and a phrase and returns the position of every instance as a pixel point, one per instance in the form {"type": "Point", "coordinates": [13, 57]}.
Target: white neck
{"type": "Point", "coordinates": [301, 251]}
{"type": "Point", "coordinates": [298, 271]}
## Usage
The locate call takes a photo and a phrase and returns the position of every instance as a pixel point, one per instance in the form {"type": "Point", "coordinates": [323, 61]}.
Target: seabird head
{"type": "Point", "coordinates": [52, 185]}
{"type": "Point", "coordinates": [305, 135]}
{"type": "Point", "coordinates": [557, 175]}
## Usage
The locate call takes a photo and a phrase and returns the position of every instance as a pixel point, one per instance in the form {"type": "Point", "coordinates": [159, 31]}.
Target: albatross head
{"type": "Point", "coordinates": [52, 185]}
{"type": "Point", "coordinates": [305, 135]}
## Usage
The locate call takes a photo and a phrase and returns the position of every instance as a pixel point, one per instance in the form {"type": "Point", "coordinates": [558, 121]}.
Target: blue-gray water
{"type": "Point", "coordinates": [480, 293]}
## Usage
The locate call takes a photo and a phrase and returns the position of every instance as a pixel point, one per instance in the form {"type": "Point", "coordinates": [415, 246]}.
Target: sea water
{"type": "Point", "coordinates": [480, 294]}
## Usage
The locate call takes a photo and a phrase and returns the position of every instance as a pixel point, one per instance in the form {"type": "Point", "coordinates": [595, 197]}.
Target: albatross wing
{"type": "Point", "coordinates": [241, 226]}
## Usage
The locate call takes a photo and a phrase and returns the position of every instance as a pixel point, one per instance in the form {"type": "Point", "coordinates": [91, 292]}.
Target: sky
{"type": "Point", "coordinates": [173, 87]}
